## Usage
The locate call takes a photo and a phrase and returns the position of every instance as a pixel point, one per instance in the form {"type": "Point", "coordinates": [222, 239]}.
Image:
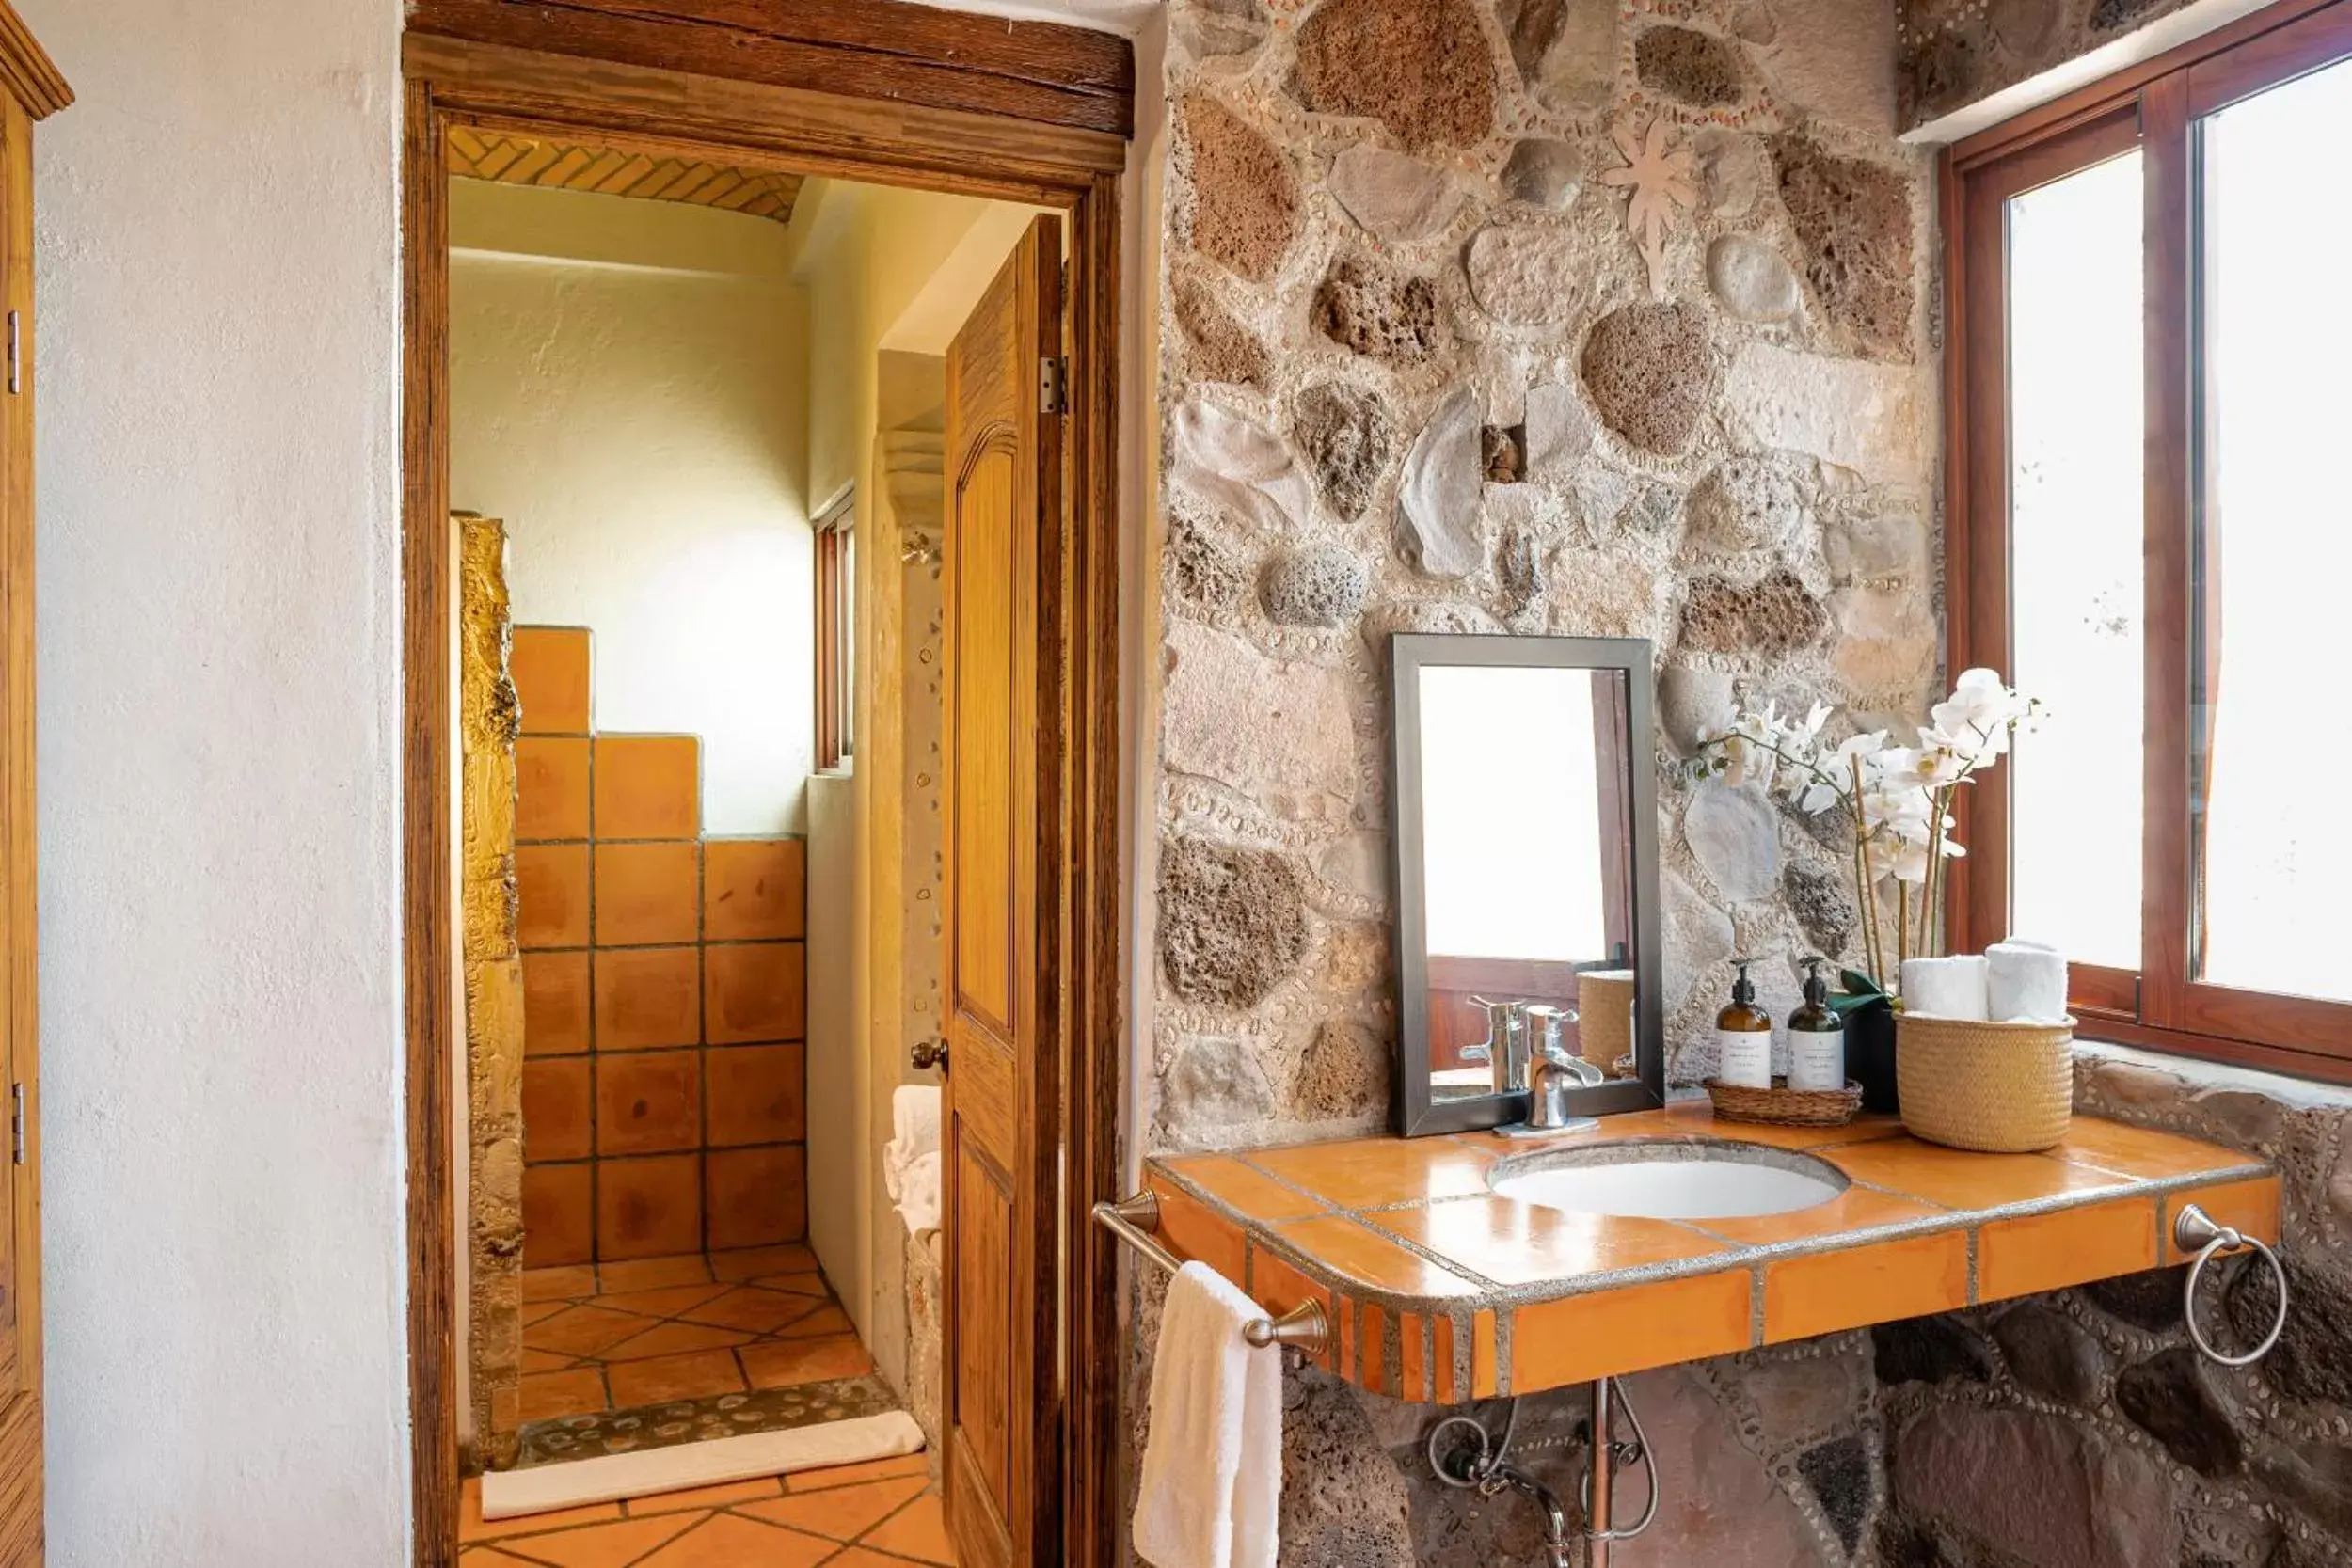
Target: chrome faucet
{"type": "Point", "coordinates": [1504, 1049]}
{"type": "Point", "coordinates": [1555, 1073]}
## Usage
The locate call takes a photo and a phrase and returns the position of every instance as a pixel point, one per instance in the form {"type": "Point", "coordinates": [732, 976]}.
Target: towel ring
{"type": "Point", "coordinates": [2195, 1229]}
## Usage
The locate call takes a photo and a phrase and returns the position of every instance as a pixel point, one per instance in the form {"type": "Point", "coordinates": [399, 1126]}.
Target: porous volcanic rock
{"type": "Point", "coordinates": [1852, 220]}
{"type": "Point", "coordinates": [1319, 586]}
{"type": "Point", "coordinates": [1232, 921]}
{"type": "Point", "coordinates": [1201, 571]}
{"type": "Point", "coordinates": [2168, 1396]}
{"type": "Point", "coordinates": [1824, 908]}
{"type": "Point", "coordinates": [1346, 432]}
{"type": "Point", "coordinates": [1649, 372]}
{"type": "Point", "coordinates": [1222, 348]}
{"type": "Point", "coordinates": [1419, 67]}
{"type": "Point", "coordinates": [1691, 67]}
{"type": "Point", "coordinates": [1342, 1073]}
{"type": "Point", "coordinates": [2050, 1354]}
{"type": "Point", "coordinates": [1245, 198]}
{"type": "Point", "coordinates": [1379, 313]}
{"type": "Point", "coordinates": [1771, 619]}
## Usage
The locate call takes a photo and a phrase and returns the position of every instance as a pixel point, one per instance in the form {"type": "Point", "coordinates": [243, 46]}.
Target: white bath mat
{"type": "Point", "coordinates": [615, 1478]}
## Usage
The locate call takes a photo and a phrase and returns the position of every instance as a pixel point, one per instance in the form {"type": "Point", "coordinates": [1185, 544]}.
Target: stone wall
{"type": "Point", "coordinates": [1955, 52]}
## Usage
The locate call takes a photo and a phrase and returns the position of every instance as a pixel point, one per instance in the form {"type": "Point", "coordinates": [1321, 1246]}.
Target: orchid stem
{"type": "Point", "coordinates": [1865, 882]}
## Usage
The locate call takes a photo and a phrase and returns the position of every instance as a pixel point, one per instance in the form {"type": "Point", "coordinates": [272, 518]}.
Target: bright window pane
{"type": "Point", "coordinates": [2275, 849]}
{"type": "Point", "coordinates": [2075, 533]}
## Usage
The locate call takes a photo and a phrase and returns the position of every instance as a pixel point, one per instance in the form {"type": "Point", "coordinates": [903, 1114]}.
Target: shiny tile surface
{"type": "Point", "coordinates": [1525, 1244]}
{"type": "Point", "coordinates": [1955, 1179]}
{"type": "Point", "coordinates": [2025, 1255]}
{"type": "Point", "coordinates": [1360, 1253]}
{"type": "Point", "coordinates": [1580, 1337]}
{"type": "Point", "coordinates": [1245, 1189]}
{"type": "Point", "coordinates": [1371, 1173]}
{"type": "Point", "coordinates": [1856, 1209]}
{"type": "Point", "coordinates": [2247, 1207]}
{"type": "Point", "coordinates": [1823, 1292]}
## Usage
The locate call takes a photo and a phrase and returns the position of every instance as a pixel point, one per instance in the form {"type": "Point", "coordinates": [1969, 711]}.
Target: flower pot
{"type": "Point", "coordinates": [1870, 1055]}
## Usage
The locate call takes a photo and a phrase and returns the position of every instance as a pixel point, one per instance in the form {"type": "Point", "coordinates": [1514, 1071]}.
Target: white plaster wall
{"type": "Point", "coordinates": [625, 386]}
{"type": "Point", "coordinates": [219, 612]}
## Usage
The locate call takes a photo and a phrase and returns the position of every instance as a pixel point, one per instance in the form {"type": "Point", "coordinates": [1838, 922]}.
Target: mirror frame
{"type": "Point", "coordinates": [1416, 1114]}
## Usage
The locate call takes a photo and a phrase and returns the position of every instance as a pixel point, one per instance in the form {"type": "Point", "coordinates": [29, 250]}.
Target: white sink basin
{"type": "Point", "coordinates": [1671, 1181]}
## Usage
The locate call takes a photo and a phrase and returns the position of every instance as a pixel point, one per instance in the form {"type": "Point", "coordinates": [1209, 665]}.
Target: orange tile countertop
{"type": "Point", "coordinates": [1439, 1290]}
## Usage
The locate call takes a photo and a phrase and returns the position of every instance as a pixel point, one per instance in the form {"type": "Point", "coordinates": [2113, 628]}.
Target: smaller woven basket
{"type": "Point", "coordinates": [2000, 1088]}
{"type": "Point", "coordinates": [1785, 1107]}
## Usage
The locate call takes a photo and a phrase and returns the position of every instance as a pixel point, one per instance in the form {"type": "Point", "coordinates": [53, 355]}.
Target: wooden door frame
{"type": "Point", "coordinates": [880, 138]}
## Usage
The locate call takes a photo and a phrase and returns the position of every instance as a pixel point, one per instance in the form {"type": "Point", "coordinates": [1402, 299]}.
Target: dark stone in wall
{"type": "Point", "coordinates": [1951, 56]}
{"type": "Point", "coordinates": [1927, 1350]}
{"type": "Point", "coordinates": [1345, 432]}
{"type": "Point", "coordinates": [1695, 67]}
{"type": "Point", "coordinates": [2049, 1354]}
{"type": "Point", "coordinates": [2315, 1478]}
{"type": "Point", "coordinates": [2039, 1488]}
{"type": "Point", "coordinates": [1822, 906]}
{"type": "Point", "coordinates": [1853, 225]}
{"type": "Point", "coordinates": [1343, 1072]}
{"type": "Point", "coordinates": [1531, 25]}
{"type": "Point", "coordinates": [2167, 1396]}
{"type": "Point", "coordinates": [1201, 572]}
{"type": "Point", "coordinates": [1839, 1473]}
{"type": "Point", "coordinates": [1245, 212]}
{"type": "Point", "coordinates": [1769, 619]}
{"type": "Point", "coordinates": [2107, 15]}
{"type": "Point", "coordinates": [2313, 1357]}
{"type": "Point", "coordinates": [1364, 306]}
{"type": "Point", "coordinates": [1343, 1500]}
{"type": "Point", "coordinates": [2150, 1300]}
{"type": "Point", "coordinates": [1419, 67]}
{"type": "Point", "coordinates": [1222, 348]}
{"type": "Point", "coordinates": [1232, 921]}
{"type": "Point", "coordinates": [1650, 374]}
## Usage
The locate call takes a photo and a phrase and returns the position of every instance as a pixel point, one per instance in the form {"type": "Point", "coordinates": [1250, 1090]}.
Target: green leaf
{"type": "Point", "coordinates": [1860, 985]}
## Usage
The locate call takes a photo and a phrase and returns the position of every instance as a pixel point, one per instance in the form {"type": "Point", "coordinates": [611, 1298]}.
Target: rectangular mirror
{"type": "Point", "coordinates": [1524, 827]}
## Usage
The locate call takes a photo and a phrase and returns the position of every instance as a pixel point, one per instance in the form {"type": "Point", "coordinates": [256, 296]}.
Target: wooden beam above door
{"type": "Point", "coordinates": [1041, 71]}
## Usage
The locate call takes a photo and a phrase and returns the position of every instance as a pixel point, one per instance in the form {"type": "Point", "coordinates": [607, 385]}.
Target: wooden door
{"type": "Point", "coordinates": [32, 89]}
{"type": "Point", "coordinates": [1000, 1128]}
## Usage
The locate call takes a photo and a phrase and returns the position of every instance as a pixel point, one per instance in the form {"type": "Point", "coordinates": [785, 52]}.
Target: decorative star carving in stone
{"type": "Point", "coordinates": [1660, 176]}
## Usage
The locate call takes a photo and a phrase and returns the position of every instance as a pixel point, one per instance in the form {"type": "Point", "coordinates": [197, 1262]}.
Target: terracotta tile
{"type": "Point", "coordinates": [2070, 1246]}
{"type": "Point", "coordinates": [668, 1301]}
{"type": "Point", "coordinates": [2139, 1151]}
{"type": "Point", "coordinates": [825, 1320]}
{"type": "Point", "coordinates": [534, 1310]}
{"type": "Point", "coordinates": [706, 1496]}
{"type": "Point", "coordinates": [731, 1541]}
{"type": "Point", "coordinates": [797, 1284]}
{"type": "Point", "coordinates": [472, 1527]}
{"type": "Point", "coordinates": [535, 1360]}
{"type": "Point", "coordinates": [1526, 1243]}
{"type": "Point", "coordinates": [1878, 1282]}
{"type": "Point", "coordinates": [574, 1393]}
{"type": "Point", "coordinates": [1575, 1338]}
{"type": "Point", "coordinates": [614, 1546]}
{"type": "Point", "coordinates": [1370, 1172]}
{"type": "Point", "coordinates": [841, 1512]}
{"type": "Point", "coordinates": [585, 1331]}
{"type": "Point", "coordinates": [675, 1338]}
{"type": "Point", "coordinates": [559, 1214]}
{"type": "Point", "coordinates": [1248, 1193]}
{"type": "Point", "coordinates": [648, 787]}
{"type": "Point", "coordinates": [649, 1273]}
{"type": "Point", "coordinates": [552, 895]}
{"type": "Point", "coordinates": [754, 889]}
{"type": "Point", "coordinates": [649, 997]}
{"type": "Point", "coordinates": [755, 1195]}
{"type": "Point", "coordinates": [551, 788]}
{"type": "Point", "coordinates": [1192, 1230]}
{"type": "Point", "coordinates": [753, 992]}
{"type": "Point", "coordinates": [858, 1557]}
{"type": "Point", "coordinates": [557, 1108]}
{"type": "Point", "coordinates": [2249, 1206]}
{"type": "Point", "coordinates": [918, 1530]}
{"type": "Point", "coordinates": [758, 1094]}
{"type": "Point", "coordinates": [850, 1475]}
{"type": "Point", "coordinates": [649, 1102]}
{"type": "Point", "coordinates": [693, 1376]}
{"type": "Point", "coordinates": [646, 894]}
{"type": "Point", "coordinates": [751, 1262]}
{"type": "Point", "coordinates": [1278, 1287]}
{"type": "Point", "coordinates": [550, 1284]}
{"type": "Point", "coordinates": [490, 1556]}
{"type": "Point", "coordinates": [648, 1208]}
{"type": "Point", "coordinates": [1856, 1209]}
{"type": "Point", "coordinates": [1697, 1118]}
{"type": "Point", "coordinates": [1351, 1250]}
{"type": "Point", "coordinates": [782, 1363]}
{"type": "Point", "coordinates": [555, 1004]}
{"type": "Point", "coordinates": [748, 1308]}
{"type": "Point", "coordinates": [549, 666]}
{"type": "Point", "coordinates": [1957, 1179]}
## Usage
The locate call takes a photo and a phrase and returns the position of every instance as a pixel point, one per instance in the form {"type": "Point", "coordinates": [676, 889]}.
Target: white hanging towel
{"type": "Point", "coordinates": [1945, 988]}
{"type": "Point", "coordinates": [911, 1159]}
{"type": "Point", "coordinates": [2025, 981]}
{"type": "Point", "coordinates": [1212, 1466]}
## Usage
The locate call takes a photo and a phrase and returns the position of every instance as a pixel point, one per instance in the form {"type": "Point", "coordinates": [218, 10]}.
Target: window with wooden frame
{"type": "Point", "coordinates": [2148, 529]}
{"type": "Point", "coordinates": [837, 633]}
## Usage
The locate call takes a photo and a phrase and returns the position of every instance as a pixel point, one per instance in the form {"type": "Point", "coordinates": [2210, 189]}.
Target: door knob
{"type": "Point", "coordinates": [926, 1054]}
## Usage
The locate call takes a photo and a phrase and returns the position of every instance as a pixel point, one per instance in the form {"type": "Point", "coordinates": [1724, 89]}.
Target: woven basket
{"type": "Point", "coordinates": [1785, 1107]}
{"type": "Point", "coordinates": [2000, 1088]}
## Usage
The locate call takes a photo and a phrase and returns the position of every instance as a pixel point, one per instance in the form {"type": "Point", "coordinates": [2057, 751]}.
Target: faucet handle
{"type": "Point", "coordinates": [1552, 1021]}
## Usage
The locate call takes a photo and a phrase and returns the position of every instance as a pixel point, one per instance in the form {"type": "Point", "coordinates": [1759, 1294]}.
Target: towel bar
{"type": "Point", "coordinates": [1134, 1220]}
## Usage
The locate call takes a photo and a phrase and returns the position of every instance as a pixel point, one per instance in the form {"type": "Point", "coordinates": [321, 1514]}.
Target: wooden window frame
{"type": "Point", "coordinates": [1035, 113]}
{"type": "Point", "coordinates": [835, 632]}
{"type": "Point", "coordinates": [2155, 106]}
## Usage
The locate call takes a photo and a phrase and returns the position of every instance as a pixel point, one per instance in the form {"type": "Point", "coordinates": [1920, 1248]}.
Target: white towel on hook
{"type": "Point", "coordinates": [1213, 1466]}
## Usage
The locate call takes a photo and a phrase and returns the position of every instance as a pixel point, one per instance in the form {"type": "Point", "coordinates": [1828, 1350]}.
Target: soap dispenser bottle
{"type": "Point", "coordinates": [1816, 1037]}
{"type": "Point", "coordinates": [1743, 1036]}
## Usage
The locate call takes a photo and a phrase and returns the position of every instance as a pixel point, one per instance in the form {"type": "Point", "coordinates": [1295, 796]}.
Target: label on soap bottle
{"type": "Point", "coordinates": [1745, 1057]}
{"type": "Point", "coordinates": [1817, 1059]}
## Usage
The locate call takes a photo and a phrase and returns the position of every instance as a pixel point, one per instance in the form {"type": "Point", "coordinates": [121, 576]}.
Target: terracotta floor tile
{"type": "Point", "coordinates": [472, 1527]}
{"type": "Point", "coordinates": [585, 1331]}
{"type": "Point", "coordinates": [490, 1556]}
{"type": "Point", "coordinates": [536, 1310]}
{"type": "Point", "coordinates": [705, 1496]}
{"type": "Point", "coordinates": [673, 1377]}
{"type": "Point", "coordinates": [842, 1513]}
{"type": "Point", "coordinates": [918, 1530]}
{"type": "Point", "coordinates": [781, 1363]}
{"type": "Point", "coordinates": [614, 1546]}
{"type": "Point", "coordinates": [731, 1541]}
{"type": "Point", "coordinates": [652, 1273]}
{"type": "Point", "coordinates": [858, 1557]}
{"type": "Point", "coordinates": [573, 1393]}
{"type": "Point", "coordinates": [850, 1475]}
{"type": "Point", "coordinates": [536, 1360]}
{"type": "Point", "coordinates": [797, 1283]}
{"type": "Point", "coordinates": [747, 1306]}
{"type": "Point", "coordinates": [825, 1320]}
{"type": "Point", "coordinates": [676, 1340]}
{"type": "Point", "coordinates": [751, 1262]}
{"type": "Point", "coordinates": [669, 1301]}
{"type": "Point", "coordinates": [579, 1280]}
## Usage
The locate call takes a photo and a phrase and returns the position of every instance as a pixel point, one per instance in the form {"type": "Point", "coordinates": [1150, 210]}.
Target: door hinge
{"type": "Point", "coordinates": [16, 1123]}
{"type": "Point", "coordinates": [16, 353]}
{"type": "Point", "coordinates": [1053, 384]}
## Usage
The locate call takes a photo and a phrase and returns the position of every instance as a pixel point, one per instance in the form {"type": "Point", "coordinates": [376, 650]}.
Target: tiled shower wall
{"type": "Point", "coordinates": [663, 991]}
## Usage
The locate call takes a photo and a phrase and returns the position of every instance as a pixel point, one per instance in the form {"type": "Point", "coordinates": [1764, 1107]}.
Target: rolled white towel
{"type": "Point", "coordinates": [915, 1188]}
{"type": "Point", "coordinates": [914, 1118]}
{"type": "Point", "coordinates": [1946, 988]}
{"type": "Point", "coordinates": [2025, 980]}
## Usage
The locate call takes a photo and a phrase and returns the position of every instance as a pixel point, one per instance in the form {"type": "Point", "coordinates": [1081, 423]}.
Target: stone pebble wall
{"type": "Point", "coordinates": [1956, 51]}
{"type": "Point", "coordinates": [1565, 316]}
